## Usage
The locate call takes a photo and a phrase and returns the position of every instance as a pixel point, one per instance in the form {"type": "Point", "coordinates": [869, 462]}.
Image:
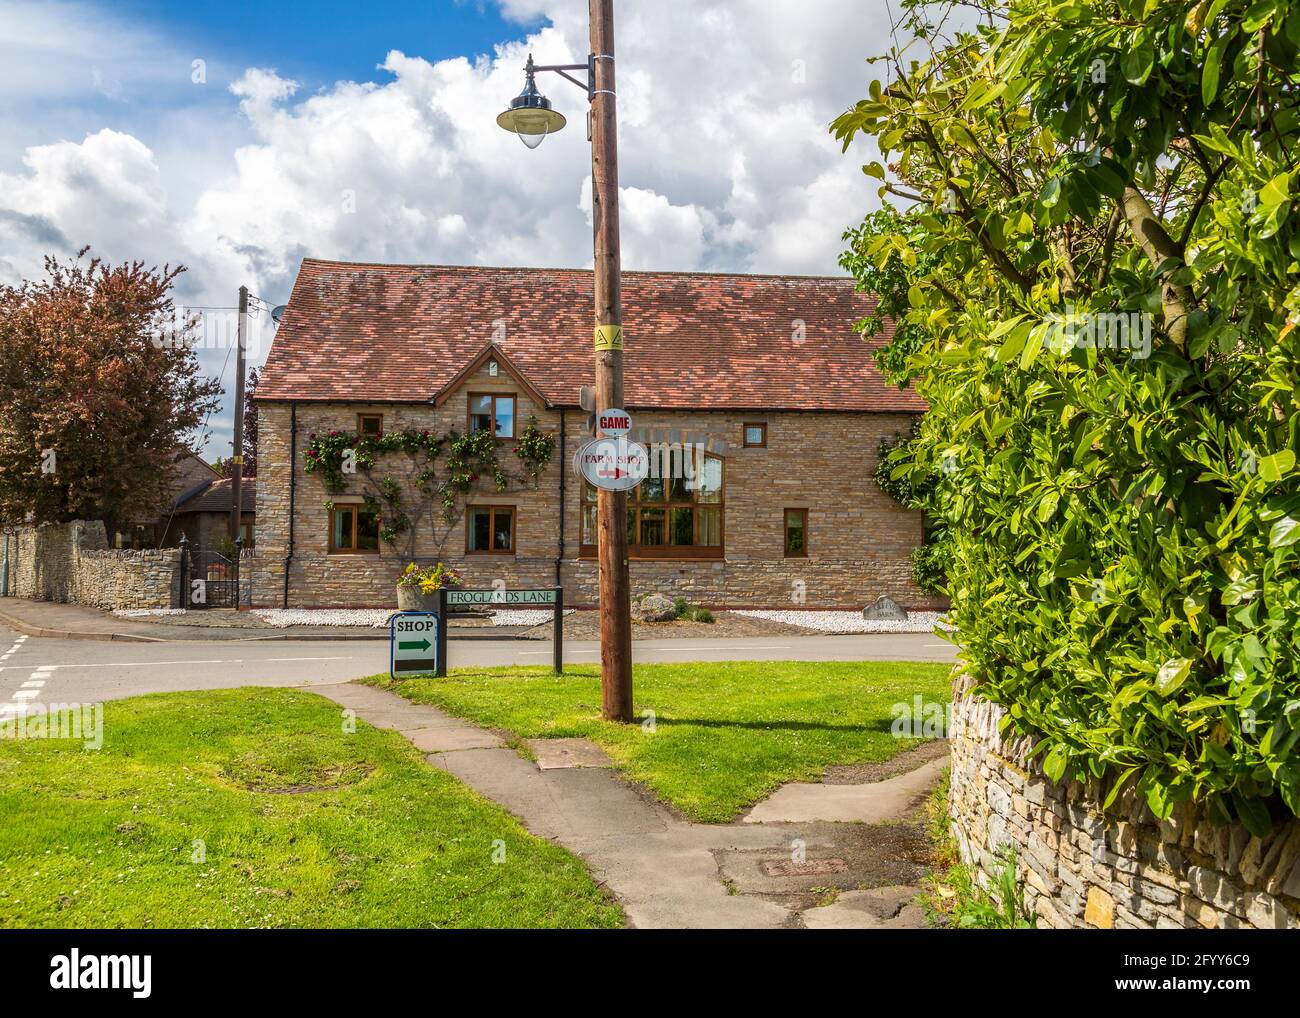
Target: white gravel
{"type": "Point", "coordinates": [141, 613]}
{"type": "Point", "coordinates": [377, 618]}
{"type": "Point", "coordinates": [524, 616]}
{"type": "Point", "coordinates": [852, 622]}
{"type": "Point", "coordinates": [282, 618]}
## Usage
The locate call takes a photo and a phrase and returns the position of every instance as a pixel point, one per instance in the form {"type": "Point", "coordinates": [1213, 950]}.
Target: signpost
{"type": "Point", "coordinates": [541, 597]}
{"type": "Point", "coordinates": [614, 464]}
{"type": "Point", "coordinates": [417, 643]}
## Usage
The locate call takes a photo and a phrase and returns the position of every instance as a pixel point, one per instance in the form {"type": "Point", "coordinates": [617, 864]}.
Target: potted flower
{"type": "Point", "coordinates": [417, 589]}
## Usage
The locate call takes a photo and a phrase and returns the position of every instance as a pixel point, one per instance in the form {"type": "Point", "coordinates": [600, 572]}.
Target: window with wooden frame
{"type": "Point", "coordinates": [370, 424]}
{"type": "Point", "coordinates": [668, 517]}
{"type": "Point", "coordinates": [796, 533]}
{"type": "Point", "coordinates": [490, 529]}
{"type": "Point", "coordinates": [354, 530]}
{"type": "Point", "coordinates": [755, 435]}
{"type": "Point", "coordinates": [491, 411]}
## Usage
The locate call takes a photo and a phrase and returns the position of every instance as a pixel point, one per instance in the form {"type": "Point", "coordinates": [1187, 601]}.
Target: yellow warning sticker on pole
{"type": "Point", "coordinates": [609, 337]}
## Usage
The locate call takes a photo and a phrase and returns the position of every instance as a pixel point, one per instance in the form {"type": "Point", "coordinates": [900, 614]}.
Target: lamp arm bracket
{"type": "Point", "coordinates": [587, 86]}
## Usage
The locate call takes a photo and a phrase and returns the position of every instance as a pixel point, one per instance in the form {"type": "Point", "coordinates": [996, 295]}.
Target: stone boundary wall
{"type": "Point", "coordinates": [72, 563]}
{"type": "Point", "coordinates": [1123, 869]}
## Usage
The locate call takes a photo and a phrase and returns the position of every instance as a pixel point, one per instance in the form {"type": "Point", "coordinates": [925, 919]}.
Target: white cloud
{"type": "Point", "coordinates": [725, 159]}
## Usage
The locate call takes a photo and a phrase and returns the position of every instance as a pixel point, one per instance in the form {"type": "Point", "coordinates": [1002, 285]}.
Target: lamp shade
{"type": "Point", "coordinates": [530, 115]}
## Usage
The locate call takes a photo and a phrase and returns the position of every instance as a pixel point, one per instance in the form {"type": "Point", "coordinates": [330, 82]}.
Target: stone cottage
{"type": "Point", "coordinates": [764, 401]}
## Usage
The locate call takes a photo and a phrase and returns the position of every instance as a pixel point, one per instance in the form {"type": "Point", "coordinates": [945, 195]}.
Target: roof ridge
{"type": "Point", "coordinates": [585, 272]}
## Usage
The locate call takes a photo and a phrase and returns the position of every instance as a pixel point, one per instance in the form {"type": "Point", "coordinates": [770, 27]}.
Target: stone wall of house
{"type": "Point", "coordinates": [1121, 869]}
{"type": "Point", "coordinates": [73, 564]}
{"type": "Point", "coordinates": [859, 540]}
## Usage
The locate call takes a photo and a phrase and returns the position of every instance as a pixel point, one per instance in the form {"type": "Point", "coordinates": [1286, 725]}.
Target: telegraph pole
{"type": "Point", "coordinates": [237, 476]}
{"type": "Point", "coordinates": [611, 506]}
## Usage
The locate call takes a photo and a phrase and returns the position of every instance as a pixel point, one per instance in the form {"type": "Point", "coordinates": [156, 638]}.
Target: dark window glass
{"type": "Point", "coordinates": [480, 413]}
{"type": "Point", "coordinates": [681, 526]}
{"type": "Point", "coordinates": [370, 424]}
{"type": "Point", "coordinates": [796, 524]}
{"type": "Point", "coordinates": [710, 535]}
{"type": "Point", "coordinates": [589, 524]}
{"type": "Point", "coordinates": [652, 526]}
{"type": "Point", "coordinates": [502, 529]}
{"type": "Point", "coordinates": [480, 530]}
{"type": "Point", "coordinates": [343, 529]}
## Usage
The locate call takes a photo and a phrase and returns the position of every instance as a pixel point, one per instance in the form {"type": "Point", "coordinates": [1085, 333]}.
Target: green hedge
{"type": "Point", "coordinates": [1123, 528]}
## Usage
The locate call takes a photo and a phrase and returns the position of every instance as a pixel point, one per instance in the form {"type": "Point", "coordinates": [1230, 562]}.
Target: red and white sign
{"type": "Point", "coordinates": [614, 464]}
{"type": "Point", "coordinates": [614, 422]}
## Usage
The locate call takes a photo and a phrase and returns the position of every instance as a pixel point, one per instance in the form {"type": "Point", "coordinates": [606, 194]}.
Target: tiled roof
{"type": "Point", "coordinates": [400, 333]}
{"type": "Point", "coordinates": [215, 498]}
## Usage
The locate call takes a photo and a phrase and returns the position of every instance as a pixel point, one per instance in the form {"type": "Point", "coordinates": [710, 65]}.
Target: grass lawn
{"type": "Point", "coordinates": [300, 825]}
{"type": "Point", "coordinates": [724, 735]}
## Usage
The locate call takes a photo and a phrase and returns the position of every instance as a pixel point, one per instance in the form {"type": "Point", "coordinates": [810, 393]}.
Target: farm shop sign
{"type": "Point", "coordinates": [614, 464]}
{"type": "Point", "coordinates": [545, 597]}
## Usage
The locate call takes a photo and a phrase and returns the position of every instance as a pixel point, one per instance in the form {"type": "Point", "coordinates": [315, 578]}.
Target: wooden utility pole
{"type": "Point", "coordinates": [615, 584]}
{"type": "Point", "coordinates": [237, 475]}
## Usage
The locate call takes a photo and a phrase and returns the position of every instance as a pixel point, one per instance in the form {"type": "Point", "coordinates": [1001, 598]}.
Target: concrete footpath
{"type": "Point", "coordinates": [665, 871]}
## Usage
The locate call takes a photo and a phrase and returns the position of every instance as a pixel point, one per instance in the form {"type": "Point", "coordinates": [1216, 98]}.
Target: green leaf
{"type": "Point", "coordinates": [1285, 532]}
{"type": "Point", "coordinates": [1054, 764]}
{"type": "Point", "coordinates": [1210, 73]}
{"type": "Point", "coordinates": [1254, 815]}
{"type": "Point", "coordinates": [1277, 466]}
{"type": "Point", "coordinates": [1173, 673]}
{"type": "Point", "coordinates": [1136, 63]}
{"type": "Point", "coordinates": [1276, 191]}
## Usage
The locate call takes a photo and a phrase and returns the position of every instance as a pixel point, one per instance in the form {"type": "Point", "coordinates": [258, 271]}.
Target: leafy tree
{"type": "Point", "coordinates": [97, 392]}
{"type": "Point", "coordinates": [1107, 191]}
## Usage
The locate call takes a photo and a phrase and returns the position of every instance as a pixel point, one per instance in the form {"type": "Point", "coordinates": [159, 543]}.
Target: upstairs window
{"type": "Point", "coordinates": [491, 412]}
{"type": "Point", "coordinates": [370, 424]}
{"type": "Point", "coordinates": [755, 436]}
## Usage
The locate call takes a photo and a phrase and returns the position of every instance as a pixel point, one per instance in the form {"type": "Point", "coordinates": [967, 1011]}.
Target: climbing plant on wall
{"type": "Point", "coordinates": [408, 476]}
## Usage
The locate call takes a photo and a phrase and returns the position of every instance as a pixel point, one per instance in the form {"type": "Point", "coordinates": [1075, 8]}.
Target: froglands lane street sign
{"type": "Point", "coordinates": [413, 643]}
{"type": "Point", "coordinates": [545, 596]}
{"type": "Point", "coordinates": [614, 464]}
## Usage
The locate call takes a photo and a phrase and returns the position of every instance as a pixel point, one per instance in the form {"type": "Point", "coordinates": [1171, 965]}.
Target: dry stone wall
{"type": "Point", "coordinates": [1121, 869]}
{"type": "Point", "coordinates": [73, 564]}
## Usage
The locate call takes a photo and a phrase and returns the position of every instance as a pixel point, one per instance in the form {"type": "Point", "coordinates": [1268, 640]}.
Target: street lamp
{"type": "Point", "coordinates": [530, 116]}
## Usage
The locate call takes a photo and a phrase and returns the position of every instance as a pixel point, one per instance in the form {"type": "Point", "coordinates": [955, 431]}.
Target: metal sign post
{"type": "Point", "coordinates": [416, 644]}
{"type": "Point", "coordinates": [548, 597]}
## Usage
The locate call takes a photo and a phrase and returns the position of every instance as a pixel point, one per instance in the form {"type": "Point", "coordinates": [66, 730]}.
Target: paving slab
{"type": "Point", "coordinates": [879, 908]}
{"type": "Point", "coordinates": [450, 738]}
{"type": "Point", "coordinates": [875, 803]}
{"type": "Point", "coordinates": [553, 754]}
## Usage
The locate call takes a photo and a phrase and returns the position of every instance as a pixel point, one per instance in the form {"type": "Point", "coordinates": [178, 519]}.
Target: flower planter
{"type": "Point", "coordinates": [409, 599]}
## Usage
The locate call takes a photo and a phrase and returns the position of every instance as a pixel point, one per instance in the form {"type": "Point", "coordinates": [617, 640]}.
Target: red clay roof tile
{"type": "Point", "coordinates": [399, 333]}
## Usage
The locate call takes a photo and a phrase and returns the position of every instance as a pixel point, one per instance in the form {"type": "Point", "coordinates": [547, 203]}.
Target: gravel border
{"type": "Point", "coordinates": [846, 622]}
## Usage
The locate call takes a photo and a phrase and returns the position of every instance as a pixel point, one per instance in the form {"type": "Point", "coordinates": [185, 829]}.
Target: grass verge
{"type": "Point", "coordinates": [256, 808]}
{"type": "Point", "coordinates": [712, 738]}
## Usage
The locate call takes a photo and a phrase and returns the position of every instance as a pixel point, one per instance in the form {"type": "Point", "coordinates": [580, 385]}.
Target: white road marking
{"type": "Point", "coordinates": [26, 694]}
{"type": "Point", "coordinates": [341, 658]}
{"type": "Point", "coordinates": [33, 684]}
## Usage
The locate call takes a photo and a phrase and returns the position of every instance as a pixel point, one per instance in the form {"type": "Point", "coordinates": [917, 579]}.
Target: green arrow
{"type": "Point", "coordinates": [413, 645]}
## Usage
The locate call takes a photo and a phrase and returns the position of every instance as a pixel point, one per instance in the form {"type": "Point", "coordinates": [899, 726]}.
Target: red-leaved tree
{"type": "Point", "coordinates": [98, 391]}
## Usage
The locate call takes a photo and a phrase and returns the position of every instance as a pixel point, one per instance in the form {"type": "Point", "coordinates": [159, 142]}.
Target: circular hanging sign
{"type": "Point", "coordinates": [614, 464]}
{"type": "Point", "coordinates": [614, 422]}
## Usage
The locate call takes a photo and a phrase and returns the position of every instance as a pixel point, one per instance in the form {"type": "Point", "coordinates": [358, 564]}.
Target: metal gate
{"type": "Point", "coordinates": [211, 581]}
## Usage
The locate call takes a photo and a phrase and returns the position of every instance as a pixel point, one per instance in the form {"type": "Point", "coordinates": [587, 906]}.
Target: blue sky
{"type": "Point", "coordinates": [366, 132]}
{"type": "Point", "coordinates": [323, 41]}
